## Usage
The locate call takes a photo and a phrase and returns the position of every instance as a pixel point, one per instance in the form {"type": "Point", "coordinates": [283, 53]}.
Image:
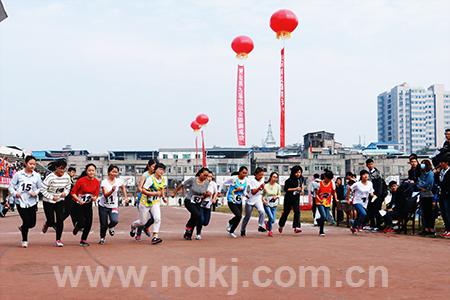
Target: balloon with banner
{"type": "Point", "coordinates": [203, 120]}
{"type": "Point", "coordinates": [283, 22]}
{"type": "Point", "coordinates": [242, 45]}
{"type": "Point", "coordinates": [196, 127]}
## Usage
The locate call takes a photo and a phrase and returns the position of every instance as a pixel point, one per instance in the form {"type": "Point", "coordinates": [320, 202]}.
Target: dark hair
{"type": "Point", "coordinates": [29, 157]}
{"type": "Point", "coordinates": [340, 179]}
{"type": "Point", "coordinates": [235, 173]}
{"type": "Point", "coordinates": [428, 166]}
{"type": "Point", "coordinates": [412, 156]}
{"type": "Point", "coordinates": [363, 172]}
{"type": "Point", "coordinates": [316, 176]}
{"type": "Point", "coordinates": [391, 183]}
{"type": "Point", "coordinates": [447, 130]}
{"type": "Point", "coordinates": [369, 161]}
{"type": "Point", "coordinates": [84, 173]}
{"type": "Point", "coordinates": [242, 168]}
{"type": "Point", "coordinates": [70, 169]}
{"type": "Point", "coordinates": [160, 166]}
{"type": "Point", "coordinates": [201, 171]}
{"type": "Point", "coordinates": [271, 174]}
{"type": "Point", "coordinates": [322, 176]}
{"type": "Point", "coordinates": [150, 162]}
{"type": "Point", "coordinates": [112, 167]}
{"type": "Point", "coordinates": [328, 174]}
{"type": "Point", "coordinates": [445, 158]}
{"type": "Point", "coordinates": [258, 170]}
{"type": "Point", "coordinates": [295, 169]}
{"type": "Point", "coordinates": [349, 174]}
{"type": "Point", "coordinates": [57, 164]}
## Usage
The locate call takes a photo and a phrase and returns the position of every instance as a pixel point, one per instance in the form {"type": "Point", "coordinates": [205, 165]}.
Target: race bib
{"type": "Point", "coordinates": [110, 200]}
{"type": "Point", "coordinates": [204, 203]}
{"type": "Point", "coordinates": [196, 199]}
{"type": "Point", "coordinates": [86, 198]}
{"type": "Point", "coordinates": [237, 199]}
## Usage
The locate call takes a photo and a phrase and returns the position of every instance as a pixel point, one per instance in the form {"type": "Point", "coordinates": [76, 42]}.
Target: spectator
{"type": "Point", "coordinates": [444, 150]}
{"type": "Point", "coordinates": [380, 191]}
{"type": "Point", "coordinates": [414, 172]}
{"type": "Point", "coordinates": [444, 193]}
{"type": "Point", "coordinates": [425, 185]}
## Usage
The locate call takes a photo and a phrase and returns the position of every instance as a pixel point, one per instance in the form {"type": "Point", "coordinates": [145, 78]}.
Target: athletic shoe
{"type": "Point", "coordinates": [233, 235]}
{"type": "Point", "coordinates": [446, 235]}
{"type": "Point", "coordinates": [24, 244]}
{"type": "Point", "coordinates": [112, 231]}
{"type": "Point", "coordinates": [133, 231]}
{"type": "Point", "coordinates": [388, 230]}
{"type": "Point", "coordinates": [321, 234]}
{"type": "Point", "coordinates": [147, 232]}
{"type": "Point", "coordinates": [374, 229]}
{"type": "Point", "coordinates": [58, 243]}
{"type": "Point", "coordinates": [297, 230]}
{"type": "Point", "coordinates": [84, 244]}
{"type": "Point", "coordinates": [198, 237]}
{"type": "Point", "coordinates": [261, 229]}
{"type": "Point", "coordinates": [243, 233]}
{"type": "Point", "coordinates": [101, 242]}
{"type": "Point", "coordinates": [138, 237]}
{"type": "Point", "coordinates": [280, 229]}
{"type": "Point", "coordinates": [156, 240]}
{"type": "Point", "coordinates": [228, 227]}
{"type": "Point", "coordinates": [443, 234]}
{"type": "Point", "coordinates": [187, 236]}
{"type": "Point", "coordinates": [270, 233]}
{"type": "Point", "coordinates": [353, 230]}
{"type": "Point", "coordinates": [45, 228]}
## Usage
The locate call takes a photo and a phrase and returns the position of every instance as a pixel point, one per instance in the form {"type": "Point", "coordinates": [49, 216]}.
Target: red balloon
{"type": "Point", "coordinates": [202, 119]}
{"type": "Point", "coordinates": [283, 22]}
{"type": "Point", "coordinates": [195, 126]}
{"type": "Point", "coordinates": [242, 45]}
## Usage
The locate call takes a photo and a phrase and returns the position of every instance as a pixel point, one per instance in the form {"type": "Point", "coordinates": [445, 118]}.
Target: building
{"type": "Point", "coordinates": [320, 142]}
{"type": "Point", "coordinates": [414, 118]}
{"type": "Point", "coordinates": [269, 141]}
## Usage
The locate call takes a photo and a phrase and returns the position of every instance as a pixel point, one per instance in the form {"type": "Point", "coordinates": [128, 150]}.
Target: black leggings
{"type": "Point", "coordinates": [28, 216]}
{"type": "Point", "coordinates": [84, 218]}
{"type": "Point", "coordinates": [236, 209]}
{"type": "Point", "coordinates": [68, 204]}
{"type": "Point", "coordinates": [288, 205]}
{"type": "Point", "coordinates": [52, 209]}
{"type": "Point", "coordinates": [373, 213]}
{"type": "Point", "coordinates": [194, 209]}
{"type": "Point", "coordinates": [426, 204]}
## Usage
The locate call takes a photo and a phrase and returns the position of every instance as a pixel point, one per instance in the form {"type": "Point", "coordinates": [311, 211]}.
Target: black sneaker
{"type": "Point", "coordinates": [261, 229]}
{"type": "Point", "coordinates": [156, 240]}
{"type": "Point", "coordinates": [187, 235]}
{"type": "Point", "coordinates": [112, 231]}
{"type": "Point", "coordinates": [102, 241]}
{"type": "Point", "coordinates": [243, 233]}
{"type": "Point", "coordinates": [133, 231]}
{"type": "Point", "coordinates": [44, 228]}
{"type": "Point", "coordinates": [84, 244]}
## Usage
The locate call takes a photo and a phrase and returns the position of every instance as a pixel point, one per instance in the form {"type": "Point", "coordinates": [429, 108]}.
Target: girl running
{"type": "Point", "coordinates": [236, 192]}
{"type": "Point", "coordinates": [25, 187]}
{"type": "Point", "coordinates": [324, 196]}
{"type": "Point", "coordinates": [150, 171]}
{"type": "Point", "coordinates": [196, 192]}
{"type": "Point", "coordinates": [56, 187]}
{"type": "Point", "coordinates": [205, 205]}
{"type": "Point", "coordinates": [153, 191]}
{"type": "Point", "coordinates": [108, 204]}
{"type": "Point", "coordinates": [256, 185]}
{"type": "Point", "coordinates": [361, 192]}
{"type": "Point", "coordinates": [85, 192]}
{"type": "Point", "coordinates": [293, 188]}
{"type": "Point", "coordinates": [271, 198]}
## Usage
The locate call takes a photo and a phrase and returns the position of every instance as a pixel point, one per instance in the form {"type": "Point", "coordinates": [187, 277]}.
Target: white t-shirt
{"type": "Point", "coordinates": [113, 200]}
{"type": "Point", "coordinates": [212, 188]}
{"type": "Point", "coordinates": [361, 192]}
{"type": "Point", "coordinates": [254, 184]}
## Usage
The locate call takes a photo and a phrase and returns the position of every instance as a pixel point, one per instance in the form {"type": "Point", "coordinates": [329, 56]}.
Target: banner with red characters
{"type": "Point", "coordinates": [282, 103]}
{"type": "Point", "coordinates": [240, 106]}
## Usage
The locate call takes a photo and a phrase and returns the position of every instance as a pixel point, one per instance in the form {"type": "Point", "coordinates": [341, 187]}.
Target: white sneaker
{"type": "Point", "coordinates": [198, 237]}
{"type": "Point", "coordinates": [228, 227]}
{"type": "Point", "coordinates": [59, 244]}
{"type": "Point", "coordinates": [322, 234]}
{"type": "Point", "coordinates": [24, 244]}
{"type": "Point", "coordinates": [102, 241]}
{"type": "Point", "coordinates": [231, 234]}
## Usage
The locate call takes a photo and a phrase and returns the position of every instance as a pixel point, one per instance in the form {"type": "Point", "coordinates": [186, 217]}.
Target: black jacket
{"type": "Point", "coordinates": [445, 187]}
{"type": "Point", "coordinates": [378, 183]}
{"type": "Point", "coordinates": [293, 182]}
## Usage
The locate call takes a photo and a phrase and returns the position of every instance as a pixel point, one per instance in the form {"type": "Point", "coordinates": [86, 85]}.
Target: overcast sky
{"type": "Point", "coordinates": [109, 75]}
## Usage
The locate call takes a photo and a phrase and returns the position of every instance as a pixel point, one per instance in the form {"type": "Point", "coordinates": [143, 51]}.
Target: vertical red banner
{"type": "Point", "coordinates": [203, 151]}
{"type": "Point", "coordinates": [282, 103]}
{"type": "Point", "coordinates": [240, 106]}
{"type": "Point", "coordinates": [196, 152]}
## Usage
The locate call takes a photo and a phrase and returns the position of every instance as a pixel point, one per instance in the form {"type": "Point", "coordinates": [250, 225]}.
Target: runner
{"type": "Point", "coordinates": [150, 170]}
{"type": "Point", "coordinates": [56, 187]}
{"type": "Point", "coordinates": [293, 188]}
{"type": "Point", "coordinates": [236, 192]}
{"type": "Point", "coordinates": [271, 197]}
{"type": "Point", "coordinates": [68, 201]}
{"type": "Point", "coordinates": [361, 191]}
{"type": "Point", "coordinates": [256, 185]}
{"type": "Point", "coordinates": [25, 187]}
{"type": "Point", "coordinates": [324, 195]}
{"type": "Point", "coordinates": [153, 191]}
{"type": "Point", "coordinates": [85, 192]}
{"type": "Point", "coordinates": [108, 204]}
{"type": "Point", "coordinates": [205, 206]}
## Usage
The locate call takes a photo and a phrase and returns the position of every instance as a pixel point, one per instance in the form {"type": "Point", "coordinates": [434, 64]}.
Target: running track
{"type": "Point", "coordinates": [417, 267]}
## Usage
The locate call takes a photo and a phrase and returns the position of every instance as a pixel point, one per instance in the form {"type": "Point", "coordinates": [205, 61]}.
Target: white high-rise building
{"type": "Point", "coordinates": [414, 118]}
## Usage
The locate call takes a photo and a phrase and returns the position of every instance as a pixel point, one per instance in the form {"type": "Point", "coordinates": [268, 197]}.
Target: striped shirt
{"type": "Point", "coordinates": [24, 184]}
{"type": "Point", "coordinates": [55, 186]}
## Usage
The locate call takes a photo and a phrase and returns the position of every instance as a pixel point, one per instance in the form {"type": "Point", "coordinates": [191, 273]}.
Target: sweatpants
{"type": "Point", "coordinates": [51, 211]}
{"type": "Point", "coordinates": [248, 213]}
{"type": "Point", "coordinates": [194, 219]}
{"type": "Point", "coordinates": [84, 218]}
{"type": "Point", "coordinates": [289, 205]}
{"type": "Point", "coordinates": [145, 213]}
{"type": "Point", "coordinates": [108, 217]}
{"type": "Point", "coordinates": [28, 216]}
{"type": "Point", "coordinates": [236, 209]}
{"type": "Point", "coordinates": [373, 212]}
{"type": "Point", "coordinates": [68, 209]}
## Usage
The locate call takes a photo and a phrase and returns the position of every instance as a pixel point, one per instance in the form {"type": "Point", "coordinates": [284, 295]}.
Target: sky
{"type": "Point", "coordinates": [131, 75]}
